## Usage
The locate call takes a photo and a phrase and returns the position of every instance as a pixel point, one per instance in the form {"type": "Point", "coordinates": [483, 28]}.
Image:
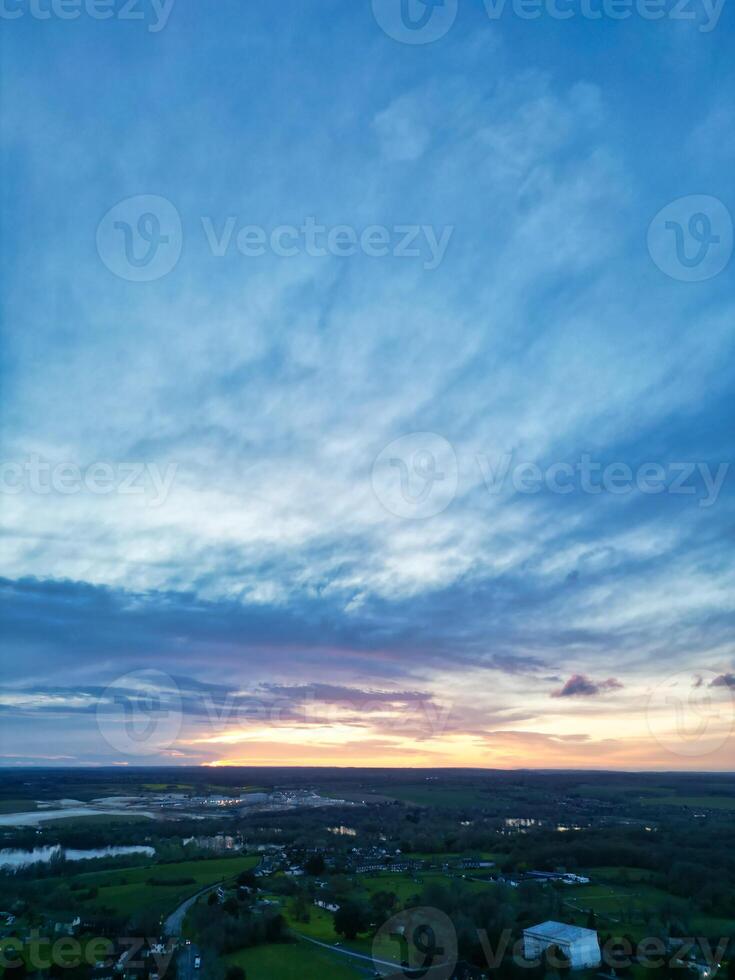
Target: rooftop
{"type": "Point", "coordinates": [560, 932]}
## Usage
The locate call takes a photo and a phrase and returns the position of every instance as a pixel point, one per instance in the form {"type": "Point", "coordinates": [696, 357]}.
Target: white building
{"type": "Point", "coordinates": [579, 945]}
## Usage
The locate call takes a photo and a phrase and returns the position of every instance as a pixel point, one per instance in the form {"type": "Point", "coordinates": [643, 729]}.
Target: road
{"type": "Point", "coordinates": [185, 969]}
{"type": "Point", "coordinates": [174, 922]}
{"type": "Point", "coordinates": [348, 952]}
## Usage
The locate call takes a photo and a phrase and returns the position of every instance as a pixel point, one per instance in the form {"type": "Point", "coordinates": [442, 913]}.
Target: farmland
{"type": "Point", "coordinates": [657, 865]}
{"type": "Point", "coordinates": [154, 889]}
{"type": "Point", "coordinates": [297, 961]}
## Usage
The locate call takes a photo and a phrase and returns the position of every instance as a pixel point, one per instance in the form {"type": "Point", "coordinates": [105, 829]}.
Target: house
{"type": "Point", "coordinates": [580, 946]}
{"type": "Point", "coordinates": [328, 906]}
{"type": "Point", "coordinates": [68, 927]}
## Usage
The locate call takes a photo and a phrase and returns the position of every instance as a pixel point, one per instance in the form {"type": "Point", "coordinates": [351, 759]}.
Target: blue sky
{"type": "Point", "coordinates": [269, 404]}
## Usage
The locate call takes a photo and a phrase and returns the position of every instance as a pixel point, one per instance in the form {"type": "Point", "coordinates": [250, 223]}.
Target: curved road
{"type": "Point", "coordinates": [173, 923]}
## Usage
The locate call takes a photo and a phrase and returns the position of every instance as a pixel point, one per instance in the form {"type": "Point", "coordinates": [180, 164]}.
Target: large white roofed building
{"type": "Point", "coordinates": [579, 945]}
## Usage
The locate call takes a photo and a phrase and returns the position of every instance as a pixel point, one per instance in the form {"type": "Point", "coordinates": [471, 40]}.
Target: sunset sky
{"type": "Point", "coordinates": [456, 492]}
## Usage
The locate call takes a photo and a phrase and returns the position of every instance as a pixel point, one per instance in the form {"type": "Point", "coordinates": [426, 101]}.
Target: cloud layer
{"type": "Point", "coordinates": [275, 568]}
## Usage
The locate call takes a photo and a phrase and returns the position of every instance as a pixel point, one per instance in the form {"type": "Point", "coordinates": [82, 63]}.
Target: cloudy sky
{"type": "Point", "coordinates": [367, 383]}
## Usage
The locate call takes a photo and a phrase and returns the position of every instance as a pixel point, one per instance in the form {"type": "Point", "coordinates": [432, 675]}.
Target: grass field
{"type": "Point", "coordinates": [18, 806]}
{"type": "Point", "coordinates": [321, 927]}
{"type": "Point", "coordinates": [297, 961]}
{"type": "Point", "coordinates": [626, 907]}
{"type": "Point", "coordinates": [95, 820]}
{"type": "Point", "coordinates": [405, 886]}
{"type": "Point", "coordinates": [127, 891]}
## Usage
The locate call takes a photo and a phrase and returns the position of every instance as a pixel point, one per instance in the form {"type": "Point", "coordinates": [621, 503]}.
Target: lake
{"type": "Point", "coordinates": [36, 817]}
{"type": "Point", "coordinates": [22, 859]}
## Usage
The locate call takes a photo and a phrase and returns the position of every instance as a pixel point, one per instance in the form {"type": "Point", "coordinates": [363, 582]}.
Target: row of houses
{"type": "Point", "coordinates": [564, 877]}
{"type": "Point", "coordinates": [403, 867]}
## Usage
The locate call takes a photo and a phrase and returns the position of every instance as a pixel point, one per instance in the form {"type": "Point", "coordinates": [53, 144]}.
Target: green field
{"type": "Point", "coordinates": [18, 806]}
{"type": "Point", "coordinates": [128, 890]}
{"type": "Point", "coordinates": [626, 907]}
{"type": "Point", "coordinates": [320, 925]}
{"type": "Point", "coordinates": [95, 820]}
{"type": "Point", "coordinates": [405, 886]}
{"type": "Point", "coordinates": [297, 961]}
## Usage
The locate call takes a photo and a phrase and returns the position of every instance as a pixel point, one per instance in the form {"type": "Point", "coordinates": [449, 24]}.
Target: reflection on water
{"type": "Point", "coordinates": [42, 855]}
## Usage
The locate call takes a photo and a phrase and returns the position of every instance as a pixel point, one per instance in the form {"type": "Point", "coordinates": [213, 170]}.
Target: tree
{"type": "Point", "coordinates": [299, 908]}
{"type": "Point", "coordinates": [235, 972]}
{"type": "Point", "coordinates": [230, 906]}
{"type": "Point", "coordinates": [274, 927]}
{"type": "Point", "coordinates": [383, 904]}
{"type": "Point", "coordinates": [349, 919]}
{"type": "Point", "coordinates": [315, 864]}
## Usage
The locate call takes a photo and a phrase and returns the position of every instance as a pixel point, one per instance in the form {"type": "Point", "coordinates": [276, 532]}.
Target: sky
{"type": "Point", "coordinates": [367, 377]}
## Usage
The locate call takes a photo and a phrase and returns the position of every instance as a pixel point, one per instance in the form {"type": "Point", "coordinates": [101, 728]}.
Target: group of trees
{"type": "Point", "coordinates": [233, 925]}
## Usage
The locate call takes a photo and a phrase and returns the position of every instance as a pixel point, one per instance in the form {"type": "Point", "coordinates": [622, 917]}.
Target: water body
{"type": "Point", "coordinates": [42, 855]}
{"type": "Point", "coordinates": [36, 817]}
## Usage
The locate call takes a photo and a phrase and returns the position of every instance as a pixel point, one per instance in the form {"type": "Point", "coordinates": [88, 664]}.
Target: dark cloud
{"type": "Point", "coordinates": [581, 686]}
{"type": "Point", "coordinates": [724, 680]}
